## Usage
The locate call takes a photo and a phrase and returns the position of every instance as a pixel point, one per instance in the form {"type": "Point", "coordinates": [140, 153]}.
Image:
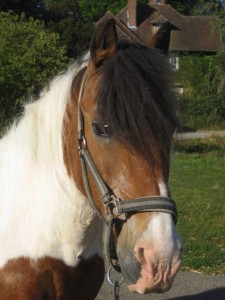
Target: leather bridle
{"type": "Point", "coordinates": [114, 207]}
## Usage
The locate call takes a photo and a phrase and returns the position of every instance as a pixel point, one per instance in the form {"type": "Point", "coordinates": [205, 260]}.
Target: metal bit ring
{"type": "Point", "coordinates": [110, 280]}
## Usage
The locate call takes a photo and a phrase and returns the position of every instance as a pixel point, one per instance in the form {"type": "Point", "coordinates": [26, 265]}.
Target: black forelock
{"type": "Point", "coordinates": [135, 97]}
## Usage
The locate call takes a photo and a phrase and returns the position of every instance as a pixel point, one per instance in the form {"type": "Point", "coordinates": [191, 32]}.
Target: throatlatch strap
{"type": "Point", "coordinates": [80, 118]}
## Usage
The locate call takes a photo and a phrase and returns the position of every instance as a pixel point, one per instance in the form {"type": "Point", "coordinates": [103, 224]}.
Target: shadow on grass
{"type": "Point", "coordinates": [215, 294]}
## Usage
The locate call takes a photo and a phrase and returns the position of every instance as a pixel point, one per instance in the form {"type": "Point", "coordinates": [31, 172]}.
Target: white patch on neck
{"type": "Point", "coordinates": [42, 212]}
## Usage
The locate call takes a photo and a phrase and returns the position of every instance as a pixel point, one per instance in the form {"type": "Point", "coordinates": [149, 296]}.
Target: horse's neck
{"type": "Point", "coordinates": [42, 213]}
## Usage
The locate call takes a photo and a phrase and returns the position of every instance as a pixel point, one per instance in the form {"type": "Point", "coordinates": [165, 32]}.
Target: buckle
{"type": "Point", "coordinates": [82, 143]}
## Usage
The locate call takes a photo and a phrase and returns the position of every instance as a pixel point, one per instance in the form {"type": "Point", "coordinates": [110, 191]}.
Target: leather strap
{"type": "Point", "coordinates": [87, 186]}
{"type": "Point", "coordinates": [104, 191]}
{"type": "Point", "coordinates": [149, 203]}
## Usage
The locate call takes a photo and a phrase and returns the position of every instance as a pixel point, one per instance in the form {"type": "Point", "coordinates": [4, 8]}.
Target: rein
{"type": "Point", "coordinates": [114, 207]}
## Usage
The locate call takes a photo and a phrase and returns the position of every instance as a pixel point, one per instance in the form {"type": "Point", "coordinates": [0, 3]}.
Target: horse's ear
{"type": "Point", "coordinates": [103, 42]}
{"type": "Point", "coordinates": [161, 39]}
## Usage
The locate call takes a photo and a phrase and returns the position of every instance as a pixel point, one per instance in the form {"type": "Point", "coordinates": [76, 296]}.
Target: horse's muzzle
{"type": "Point", "coordinates": [148, 277]}
{"type": "Point", "coordinates": [158, 279]}
{"type": "Point", "coordinates": [150, 263]}
{"type": "Point", "coordinates": [158, 267]}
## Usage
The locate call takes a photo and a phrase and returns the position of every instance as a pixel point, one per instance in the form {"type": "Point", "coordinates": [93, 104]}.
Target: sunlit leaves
{"type": "Point", "coordinates": [29, 57]}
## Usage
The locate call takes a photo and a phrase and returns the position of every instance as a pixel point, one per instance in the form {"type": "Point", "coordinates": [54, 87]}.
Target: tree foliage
{"type": "Point", "coordinates": [29, 56]}
{"type": "Point", "coordinates": [196, 7]}
{"type": "Point", "coordinates": [92, 11]}
{"type": "Point", "coordinates": [31, 8]}
{"type": "Point", "coordinates": [203, 103]}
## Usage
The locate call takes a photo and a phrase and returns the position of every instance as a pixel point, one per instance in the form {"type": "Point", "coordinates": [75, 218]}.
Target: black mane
{"type": "Point", "coordinates": [135, 98]}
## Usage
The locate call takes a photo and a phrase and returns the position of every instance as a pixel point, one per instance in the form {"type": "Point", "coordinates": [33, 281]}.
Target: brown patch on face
{"type": "Point", "coordinates": [50, 279]}
{"type": "Point", "coordinates": [125, 171]}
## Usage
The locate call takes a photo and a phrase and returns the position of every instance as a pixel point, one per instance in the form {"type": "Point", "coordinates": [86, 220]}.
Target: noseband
{"type": "Point", "coordinates": [114, 207]}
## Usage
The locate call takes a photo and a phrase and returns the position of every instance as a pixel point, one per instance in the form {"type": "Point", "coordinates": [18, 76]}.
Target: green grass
{"type": "Point", "coordinates": [197, 183]}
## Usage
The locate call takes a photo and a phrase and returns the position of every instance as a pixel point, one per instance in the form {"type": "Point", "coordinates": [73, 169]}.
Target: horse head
{"type": "Point", "coordinates": [126, 123]}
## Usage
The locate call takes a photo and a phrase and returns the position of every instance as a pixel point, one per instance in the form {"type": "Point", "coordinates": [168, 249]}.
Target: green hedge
{"type": "Point", "coordinates": [203, 104]}
{"type": "Point", "coordinates": [29, 57]}
{"type": "Point", "coordinates": [202, 112]}
{"type": "Point", "coordinates": [201, 146]}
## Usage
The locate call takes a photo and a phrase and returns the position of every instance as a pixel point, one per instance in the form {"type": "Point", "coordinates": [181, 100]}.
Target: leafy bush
{"type": "Point", "coordinates": [196, 74]}
{"type": "Point", "coordinates": [203, 112]}
{"type": "Point", "coordinates": [29, 56]}
{"type": "Point", "coordinates": [203, 102]}
{"type": "Point", "coordinates": [75, 36]}
{"type": "Point", "coordinates": [200, 146]}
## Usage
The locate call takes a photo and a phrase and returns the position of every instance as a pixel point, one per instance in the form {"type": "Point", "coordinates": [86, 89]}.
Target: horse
{"type": "Point", "coordinates": [84, 177]}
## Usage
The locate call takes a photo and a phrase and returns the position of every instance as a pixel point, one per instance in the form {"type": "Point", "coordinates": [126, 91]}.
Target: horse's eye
{"type": "Point", "coordinates": [101, 130]}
